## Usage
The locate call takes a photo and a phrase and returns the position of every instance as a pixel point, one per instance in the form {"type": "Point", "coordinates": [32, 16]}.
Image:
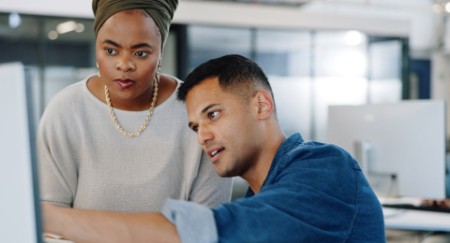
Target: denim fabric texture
{"type": "Point", "coordinates": [314, 192]}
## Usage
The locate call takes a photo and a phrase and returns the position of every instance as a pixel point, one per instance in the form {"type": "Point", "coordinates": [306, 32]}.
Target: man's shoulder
{"type": "Point", "coordinates": [317, 149]}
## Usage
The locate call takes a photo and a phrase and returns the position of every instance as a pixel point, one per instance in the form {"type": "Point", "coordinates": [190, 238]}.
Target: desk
{"type": "Point", "coordinates": [406, 225]}
{"type": "Point", "coordinates": [405, 236]}
{"type": "Point", "coordinates": [408, 219]}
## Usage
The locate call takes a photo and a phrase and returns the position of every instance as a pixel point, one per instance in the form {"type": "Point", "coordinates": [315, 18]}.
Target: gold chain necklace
{"type": "Point", "coordinates": [147, 119]}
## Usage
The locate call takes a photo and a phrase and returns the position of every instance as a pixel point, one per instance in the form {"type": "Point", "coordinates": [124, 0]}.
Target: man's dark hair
{"type": "Point", "coordinates": [236, 74]}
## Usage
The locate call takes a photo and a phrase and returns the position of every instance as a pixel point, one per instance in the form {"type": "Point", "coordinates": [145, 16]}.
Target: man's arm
{"type": "Point", "coordinates": [100, 226]}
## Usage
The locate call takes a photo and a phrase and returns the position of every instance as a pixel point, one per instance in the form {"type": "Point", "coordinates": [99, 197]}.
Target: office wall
{"type": "Point", "coordinates": [231, 14]}
{"type": "Point", "coordinates": [74, 8]}
{"type": "Point", "coordinates": [440, 86]}
{"type": "Point", "coordinates": [415, 22]}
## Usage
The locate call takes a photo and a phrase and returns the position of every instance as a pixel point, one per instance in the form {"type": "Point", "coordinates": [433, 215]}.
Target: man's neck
{"type": "Point", "coordinates": [256, 176]}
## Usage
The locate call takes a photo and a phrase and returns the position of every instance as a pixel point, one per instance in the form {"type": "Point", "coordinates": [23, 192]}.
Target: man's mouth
{"type": "Point", "coordinates": [215, 152]}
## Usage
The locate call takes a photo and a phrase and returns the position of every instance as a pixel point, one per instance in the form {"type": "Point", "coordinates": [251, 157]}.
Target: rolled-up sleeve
{"type": "Point", "coordinates": [194, 222]}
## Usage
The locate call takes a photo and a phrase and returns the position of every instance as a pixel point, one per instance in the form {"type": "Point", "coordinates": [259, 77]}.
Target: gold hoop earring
{"type": "Point", "coordinates": [158, 73]}
{"type": "Point", "coordinates": [98, 70]}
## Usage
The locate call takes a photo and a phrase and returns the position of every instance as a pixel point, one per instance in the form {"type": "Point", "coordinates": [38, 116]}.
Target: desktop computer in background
{"type": "Point", "coordinates": [20, 219]}
{"type": "Point", "coordinates": [400, 146]}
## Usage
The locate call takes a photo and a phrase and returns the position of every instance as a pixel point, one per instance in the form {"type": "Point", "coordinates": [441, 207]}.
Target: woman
{"type": "Point", "coordinates": [119, 140]}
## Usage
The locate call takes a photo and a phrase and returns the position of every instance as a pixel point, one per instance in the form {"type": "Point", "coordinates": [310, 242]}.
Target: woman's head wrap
{"type": "Point", "coordinates": [161, 11]}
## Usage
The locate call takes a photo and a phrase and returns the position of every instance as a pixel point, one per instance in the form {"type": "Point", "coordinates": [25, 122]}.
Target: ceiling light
{"type": "Point", "coordinates": [66, 27]}
{"type": "Point", "coordinates": [354, 38]}
{"type": "Point", "coordinates": [437, 8]}
{"type": "Point", "coordinates": [447, 7]}
{"type": "Point", "coordinates": [14, 20]}
{"type": "Point", "coordinates": [53, 35]}
{"type": "Point", "coordinates": [80, 28]}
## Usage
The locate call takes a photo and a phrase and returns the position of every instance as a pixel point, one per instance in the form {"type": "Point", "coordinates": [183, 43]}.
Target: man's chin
{"type": "Point", "coordinates": [225, 173]}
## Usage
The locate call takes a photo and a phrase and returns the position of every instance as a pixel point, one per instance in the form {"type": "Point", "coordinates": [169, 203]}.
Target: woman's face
{"type": "Point", "coordinates": [128, 50]}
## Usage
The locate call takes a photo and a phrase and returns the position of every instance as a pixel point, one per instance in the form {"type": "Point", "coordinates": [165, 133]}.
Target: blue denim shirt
{"type": "Point", "coordinates": [314, 192]}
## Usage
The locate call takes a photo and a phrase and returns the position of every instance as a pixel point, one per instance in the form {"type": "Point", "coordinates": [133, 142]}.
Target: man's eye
{"type": "Point", "coordinates": [195, 128]}
{"type": "Point", "coordinates": [213, 114]}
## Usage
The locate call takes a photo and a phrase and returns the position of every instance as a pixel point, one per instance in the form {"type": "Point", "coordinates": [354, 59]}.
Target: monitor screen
{"type": "Point", "coordinates": [20, 210]}
{"type": "Point", "coordinates": [400, 146]}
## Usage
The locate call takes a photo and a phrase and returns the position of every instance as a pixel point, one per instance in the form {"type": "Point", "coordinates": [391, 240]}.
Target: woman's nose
{"type": "Point", "coordinates": [125, 64]}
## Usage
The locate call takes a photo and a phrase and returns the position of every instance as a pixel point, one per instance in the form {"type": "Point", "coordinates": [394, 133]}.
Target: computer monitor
{"type": "Point", "coordinates": [19, 206]}
{"type": "Point", "coordinates": [400, 146]}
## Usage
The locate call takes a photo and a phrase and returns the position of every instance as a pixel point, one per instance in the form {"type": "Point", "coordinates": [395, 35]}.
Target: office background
{"type": "Point", "coordinates": [316, 53]}
{"type": "Point", "coordinates": [320, 52]}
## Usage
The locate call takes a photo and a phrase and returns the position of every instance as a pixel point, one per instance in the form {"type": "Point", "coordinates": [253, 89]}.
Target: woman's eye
{"type": "Point", "coordinates": [213, 114]}
{"type": "Point", "coordinates": [110, 51]}
{"type": "Point", "coordinates": [141, 54]}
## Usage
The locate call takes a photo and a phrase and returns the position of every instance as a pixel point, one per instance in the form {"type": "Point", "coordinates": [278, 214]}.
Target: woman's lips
{"type": "Point", "coordinates": [124, 83]}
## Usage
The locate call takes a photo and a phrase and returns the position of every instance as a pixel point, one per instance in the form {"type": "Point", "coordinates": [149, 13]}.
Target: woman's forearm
{"type": "Point", "coordinates": [101, 226]}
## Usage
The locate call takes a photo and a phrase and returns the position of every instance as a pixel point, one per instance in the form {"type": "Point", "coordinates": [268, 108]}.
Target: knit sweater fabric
{"type": "Point", "coordinates": [86, 163]}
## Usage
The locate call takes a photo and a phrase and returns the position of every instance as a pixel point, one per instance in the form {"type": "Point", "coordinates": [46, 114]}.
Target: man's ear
{"type": "Point", "coordinates": [264, 103]}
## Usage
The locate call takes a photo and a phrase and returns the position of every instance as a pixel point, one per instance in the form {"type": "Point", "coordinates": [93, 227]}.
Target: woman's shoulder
{"type": "Point", "coordinates": [171, 85]}
{"type": "Point", "coordinates": [167, 88]}
{"type": "Point", "coordinates": [69, 92]}
{"type": "Point", "coordinates": [67, 98]}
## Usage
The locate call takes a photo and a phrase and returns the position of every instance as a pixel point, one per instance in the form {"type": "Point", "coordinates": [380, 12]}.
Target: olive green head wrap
{"type": "Point", "coordinates": [161, 11]}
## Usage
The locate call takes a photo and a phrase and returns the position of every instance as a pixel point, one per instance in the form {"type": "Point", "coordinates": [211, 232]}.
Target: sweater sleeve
{"type": "Point", "coordinates": [58, 178]}
{"type": "Point", "coordinates": [208, 188]}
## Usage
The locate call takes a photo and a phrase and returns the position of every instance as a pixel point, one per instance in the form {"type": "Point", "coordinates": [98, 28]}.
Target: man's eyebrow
{"type": "Point", "coordinates": [207, 108]}
{"type": "Point", "coordinates": [140, 45]}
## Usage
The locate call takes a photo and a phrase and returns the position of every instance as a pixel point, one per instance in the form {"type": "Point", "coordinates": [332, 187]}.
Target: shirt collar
{"type": "Point", "coordinates": [290, 143]}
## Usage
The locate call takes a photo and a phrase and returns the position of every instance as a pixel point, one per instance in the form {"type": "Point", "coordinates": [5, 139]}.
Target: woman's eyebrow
{"type": "Point", "coordinates": [140, 45]}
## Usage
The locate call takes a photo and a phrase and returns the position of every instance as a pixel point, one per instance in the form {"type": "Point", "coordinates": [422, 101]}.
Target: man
{"type": "Point", "coordinates": [299, 191]}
